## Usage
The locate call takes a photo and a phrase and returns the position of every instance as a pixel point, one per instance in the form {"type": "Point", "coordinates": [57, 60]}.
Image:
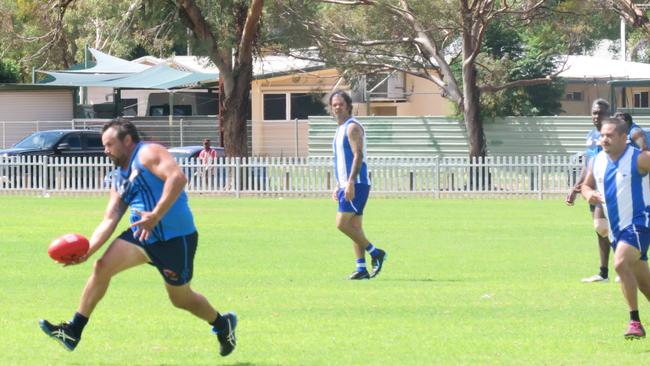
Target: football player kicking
{"type": "Point", "coordinates": [162, 233]}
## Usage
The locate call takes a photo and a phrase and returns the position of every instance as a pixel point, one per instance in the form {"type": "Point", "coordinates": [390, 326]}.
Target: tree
{"type": "Point", "coordinates": [55, 32]}
{"type": "Point", "coordinates": [228, 30]}
{"type": "Point", "coordinates": [9, 71]}
{"type": "Point", "coordinates": [425, 38]}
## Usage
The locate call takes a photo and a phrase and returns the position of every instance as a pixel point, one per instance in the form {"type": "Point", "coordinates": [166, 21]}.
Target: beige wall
{"type": "Point", "coordinates": [423, 98]}
{"type": "Point", "coordinates": [36, 105]}
{"type": "Point", "coordinates": [590, 91]}
{"type": "Point", "coordinates": [277, 138]}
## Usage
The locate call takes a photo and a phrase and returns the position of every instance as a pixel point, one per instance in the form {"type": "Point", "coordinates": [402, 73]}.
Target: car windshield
{"type": "Point", "coordinates": [40, 140]}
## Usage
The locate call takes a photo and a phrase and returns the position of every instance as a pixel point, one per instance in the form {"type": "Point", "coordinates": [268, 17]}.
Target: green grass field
{"type": "Point", "coordinates": [467, 282]}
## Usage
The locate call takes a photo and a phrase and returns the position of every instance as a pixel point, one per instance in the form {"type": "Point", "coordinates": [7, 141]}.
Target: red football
{"type": "Point", "coordinates": [68, 248]}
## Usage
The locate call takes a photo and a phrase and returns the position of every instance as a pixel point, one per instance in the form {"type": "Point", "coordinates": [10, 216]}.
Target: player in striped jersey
{"type": "Point", "coordinates": [618, 179]}
{"type": "Point", "coordinates": [353, 184]}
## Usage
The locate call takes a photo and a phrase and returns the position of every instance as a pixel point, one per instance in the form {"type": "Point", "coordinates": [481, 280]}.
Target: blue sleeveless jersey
{"type": "Point", "coordinates": [633, 128]}
{"type": "Point", "coordinates": [593, 145]}
{"type": "Point", "coordinates": [343, 156]}
{"type": "Point", "coordinates": [626, 192]}
{"type": "Point", "coordinates": [141, 190]}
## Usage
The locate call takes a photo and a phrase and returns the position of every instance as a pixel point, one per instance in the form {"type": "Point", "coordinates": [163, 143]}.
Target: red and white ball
{"type": "Point", "coordinates": [68, 248]}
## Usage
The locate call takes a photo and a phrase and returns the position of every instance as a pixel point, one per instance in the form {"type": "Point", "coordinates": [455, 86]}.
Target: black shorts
{"type": "Point", "coordinates": [174, 258]}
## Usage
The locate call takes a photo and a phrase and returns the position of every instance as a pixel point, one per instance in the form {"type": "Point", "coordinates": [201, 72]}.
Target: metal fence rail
{"type": "Point", "coordinates": [532, 176]}
{"type": "Point", "coordinates": [182, 131]}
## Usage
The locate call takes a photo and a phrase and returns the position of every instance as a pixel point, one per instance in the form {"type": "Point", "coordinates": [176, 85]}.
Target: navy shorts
{"type": "Point", "coordinates": [174, 258]}
{"type": "Point", "coordinates": [636, 236]}
{"type": "Point", "coordinates": [361, 192]}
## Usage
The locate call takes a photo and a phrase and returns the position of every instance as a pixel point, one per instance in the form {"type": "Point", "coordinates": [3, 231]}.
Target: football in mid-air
{"type": "Point", "coordinates": [68, 248]}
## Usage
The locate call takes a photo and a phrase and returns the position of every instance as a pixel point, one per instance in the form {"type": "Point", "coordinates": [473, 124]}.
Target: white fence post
{"type": "Point", "coordinates": [237, 175]}
{"type": "Point", "coordinates": [44, 175]}
{"type": "Point", "coordinates": [437, 177]}
{"type": "Point", "coordinates": [533, 176]}
{"type": "Point", "coordinates": [181, 132]}
{"type": "Point", "coordinates": [540, 179]}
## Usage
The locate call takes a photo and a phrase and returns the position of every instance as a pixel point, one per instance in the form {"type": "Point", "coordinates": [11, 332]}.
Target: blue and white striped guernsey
{"type": "Point", "coordinates": [343, 155]}
{"type": "Point", "coordinates": [625, 191]}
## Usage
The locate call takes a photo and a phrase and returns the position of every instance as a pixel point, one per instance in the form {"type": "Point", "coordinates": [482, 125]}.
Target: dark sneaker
{"type": "Point", "coordinates": [359, 275]}
{"type": "Point", "coordinates": [226, 337]}
{"type": "Point", "coordinates": [61, 333]}
{"type": "Point", "coordinates": [378, 262]}
{"type": "Point", "coordinates": [635, 330]}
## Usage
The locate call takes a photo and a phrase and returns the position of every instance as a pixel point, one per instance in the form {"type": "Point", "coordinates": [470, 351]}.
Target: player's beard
{"type": "Point", "coordinates": [117, 161]}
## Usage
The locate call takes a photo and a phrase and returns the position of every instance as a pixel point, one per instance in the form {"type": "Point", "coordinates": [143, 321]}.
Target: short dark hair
{"type": "Point", "coordinates": [345, 96]}
{"type": "Point", "coordinates": [124, 127]}
{"type": "Point", "coordinates": [602, 103]}
{"type": "Point", "coordinates": [620, 125]}
{"type": "Point", "coordinates": [625, 117]}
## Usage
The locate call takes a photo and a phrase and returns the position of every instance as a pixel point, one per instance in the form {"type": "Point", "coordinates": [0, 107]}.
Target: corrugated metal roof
{"type": "Point", "coordinates": [591, 67]}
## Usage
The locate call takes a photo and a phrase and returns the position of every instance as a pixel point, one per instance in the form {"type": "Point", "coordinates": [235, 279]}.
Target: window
{"type": "Point", "coordinates": [159, 110]}
{"type": "Point", "coordinates": [73, 140]}
{"type": "Point", "coordinates": [163, 110]}
{"type": "Point", "coordinates": [94, 141]}
{"type": "Point", "coordinates": [386, 86]}
{"type": "Point", "coordinates": [290, 106]}
{"type": "Point", "coordinates": [641, 100]}
{"type": "Point", "coordinates": [275, 106]}
{"type": "Point", "coordinates": [182, 110]}
{"type": "Point", "coordinates": [130, 107]}
{"type": "Point", "coordinates": [577, 96]}
{"type": "Point", "coordinates": [304, 105]}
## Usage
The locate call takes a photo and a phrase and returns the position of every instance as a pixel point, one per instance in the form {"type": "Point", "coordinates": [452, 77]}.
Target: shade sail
{"type": "Point", "coordinates": [107, 64]}
{"type": "Point", "coordinates": [156, 77]}
{"type": "Point", "coordinates": [74, 79]}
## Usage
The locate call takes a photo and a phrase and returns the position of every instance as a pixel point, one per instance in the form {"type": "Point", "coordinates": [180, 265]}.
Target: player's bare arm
{"type": "Point", "coordinates": [588, 190]}
{"type": "Point", "coordinates": [160, 163]}
{"type": "Point", "coordinates": [571, 196]}
{"type": "Point", "coordinates": [643, 163]}
{"type": "Point", "coordinates": [639, 138]}
{"type": "Point", "coordinates": [355, 136]}
{"type": "Point", "coordinates": [112, 216]}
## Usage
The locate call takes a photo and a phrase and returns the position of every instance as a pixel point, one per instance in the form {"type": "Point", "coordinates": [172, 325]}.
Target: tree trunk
{"type": "Point", "coordinates": [471, 113]}
{"type": "Point", "coordinates": [237, 91]}
{"type": "Point", "coordinates": [235, 134]}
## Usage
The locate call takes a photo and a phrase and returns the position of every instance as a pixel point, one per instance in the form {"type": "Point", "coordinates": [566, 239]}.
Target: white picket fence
{"type": "Point", "coordinates": [499, 176]}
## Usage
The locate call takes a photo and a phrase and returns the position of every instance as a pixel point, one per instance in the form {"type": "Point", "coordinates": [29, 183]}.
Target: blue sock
{"type": "Point", "coordinates": [78, 323]}
{"type": "Point", "coordinates": [371, 250]}
{"type": "Point", "coordinates": [361, 265]}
